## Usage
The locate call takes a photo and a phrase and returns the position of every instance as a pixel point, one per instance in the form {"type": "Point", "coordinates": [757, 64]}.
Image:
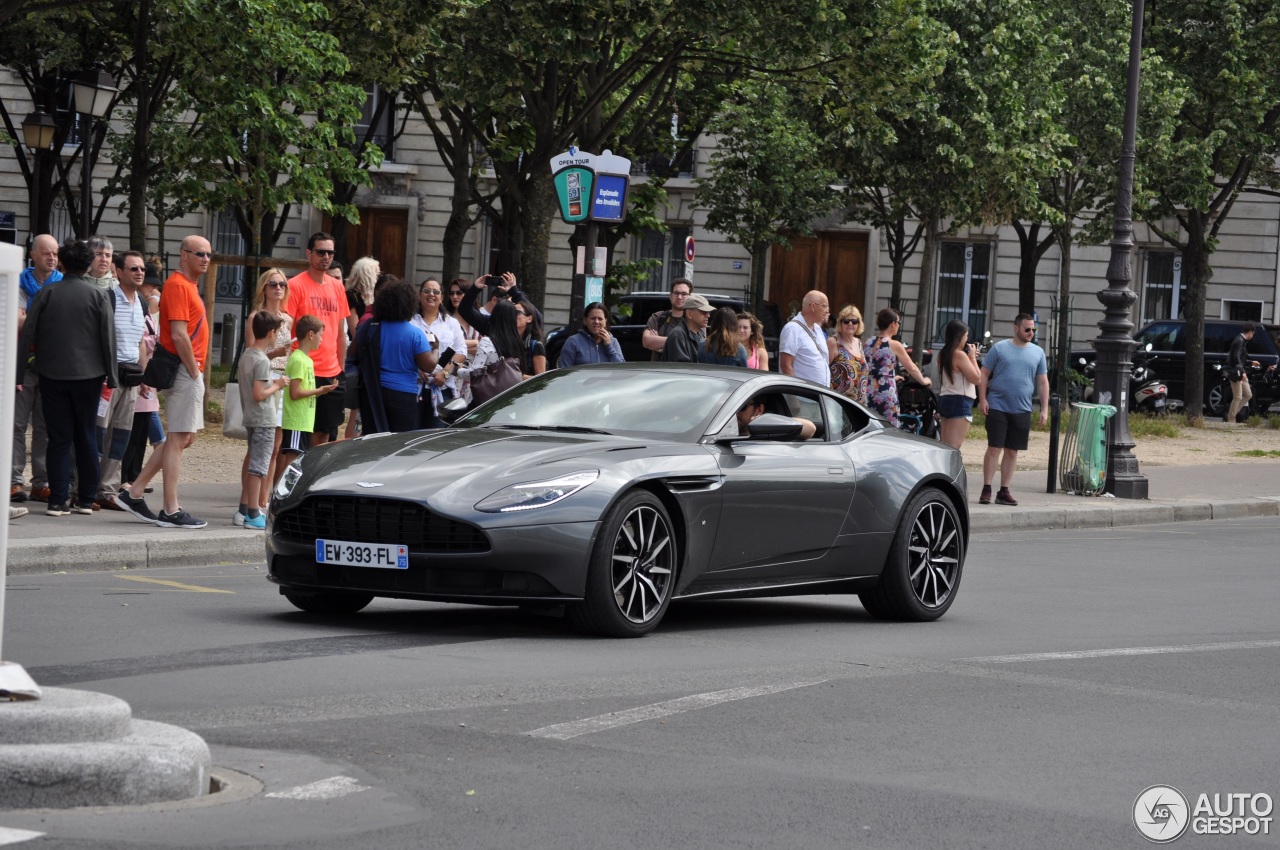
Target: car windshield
{"type": "Point", "coordinates": [641, 402]}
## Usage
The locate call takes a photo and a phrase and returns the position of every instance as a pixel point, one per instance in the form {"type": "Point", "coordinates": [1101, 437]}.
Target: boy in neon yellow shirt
{"type": "Point", "coordinates": [300, 402]}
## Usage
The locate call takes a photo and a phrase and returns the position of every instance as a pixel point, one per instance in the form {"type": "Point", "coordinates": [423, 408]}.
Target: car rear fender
{"type": "Point", "coordinates": [948, 488]}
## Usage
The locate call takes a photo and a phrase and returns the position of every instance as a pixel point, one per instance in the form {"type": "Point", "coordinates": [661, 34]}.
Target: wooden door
{"type": "Point", "coordinates": [383, 233]}
{"type": "Point", "coordinates": [833, 263]}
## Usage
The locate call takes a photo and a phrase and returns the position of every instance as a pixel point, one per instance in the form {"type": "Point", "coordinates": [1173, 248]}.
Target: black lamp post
{"type": "Point", "coordinates": [93, 89]}
{"type": "Point", "coordinates": [38, 130]}
{"type": "Point", "coordinates": [1115, 345]}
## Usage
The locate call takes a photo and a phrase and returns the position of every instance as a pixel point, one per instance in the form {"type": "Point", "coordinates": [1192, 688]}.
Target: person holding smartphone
{"type": "Point", "coordinates": [444, 332]}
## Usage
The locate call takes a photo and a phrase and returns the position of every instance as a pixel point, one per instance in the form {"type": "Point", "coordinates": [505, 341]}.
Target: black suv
{"type": "Point", "coordinates": [1167, 359]}
{"type": "Point", "coordinates": [632, 314]}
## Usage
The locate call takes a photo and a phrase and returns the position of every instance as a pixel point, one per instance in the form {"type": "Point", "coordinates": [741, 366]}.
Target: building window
{"type": "Point", "coordinates": [668, 248]}
{"type": "Point", "coordinates": [227, 240]}
{"type": "Point", "coordinates": [1242, 311]}
{"type": "Point", "coordinates": [1162, 287]}
{"type": "Point", "coordinates": [964, 286]}
{"type": "Point", "coordinates": [377, 120]}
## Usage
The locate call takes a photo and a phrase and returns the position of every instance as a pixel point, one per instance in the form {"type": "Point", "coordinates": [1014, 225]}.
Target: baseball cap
{"type": "Point", "coordinates": [699, 303]}
{"type": "Point", "coordinates": [152, 277]}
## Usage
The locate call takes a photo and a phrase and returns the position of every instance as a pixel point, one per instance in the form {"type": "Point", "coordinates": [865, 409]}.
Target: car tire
{"type": "Point", "coordinates": [922, 572]}
{"type": "Point", "coordinates": [632, 571]}
{"type": "Point", "coordinates": [330, 602]}
{"type": "Point", "coordinates": [1217, 400]}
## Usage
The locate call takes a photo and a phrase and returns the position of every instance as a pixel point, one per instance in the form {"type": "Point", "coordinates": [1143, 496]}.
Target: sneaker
{"type": "Point", "coordinates": [15, 512]}
{"type": "Point", "coordinates": [179, 519]}
{"type": "Point", "coordinates": [238, 519]}
{"type": "Point", "coordinates": [1004, 497]}
{"type": "Point", "coordinates": [17, 493]}
{"type": "Point", "coordinates": [57, 510]}
{"type": "Point", "coordinates": [40, 494]}
{"type": "Point", "coordinates": [137, 507]}
{"type": "Point", "coordinates": [985, 498]}
{"type": "Point", "coordinates": [86, 510]}
{"type": "Point", "coordinates": [258, 522]}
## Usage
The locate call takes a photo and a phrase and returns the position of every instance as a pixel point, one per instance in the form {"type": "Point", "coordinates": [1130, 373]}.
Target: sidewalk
{"type": "Point", "coordinates": [110, 540]}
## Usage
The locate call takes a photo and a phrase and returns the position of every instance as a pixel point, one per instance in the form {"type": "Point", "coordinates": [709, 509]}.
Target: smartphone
{"type": "Point", "coordinates": [447, 356]}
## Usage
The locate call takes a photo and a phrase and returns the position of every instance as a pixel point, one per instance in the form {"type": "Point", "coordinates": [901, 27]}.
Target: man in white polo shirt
{"type": "Point", "coordinates": [802, 345]}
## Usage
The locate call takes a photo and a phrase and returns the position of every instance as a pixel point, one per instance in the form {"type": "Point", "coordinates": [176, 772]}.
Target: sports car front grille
{"type": "Point", "coordinates": [361, 519]}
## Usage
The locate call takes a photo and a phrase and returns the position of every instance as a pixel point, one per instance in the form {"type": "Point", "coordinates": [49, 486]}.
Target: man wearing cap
{"type": "Point", "coordinates": [682, 340]}
{"type": "Point", "coordinates": [116, 422]}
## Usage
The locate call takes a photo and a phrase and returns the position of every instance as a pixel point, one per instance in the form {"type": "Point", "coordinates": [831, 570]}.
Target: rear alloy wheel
{"type": "Point", "coordinates": [330, 601]}
{"type": "Point", "coordinates": [632, 570]}
{"type": "Point", "coordinates": [1217, 400]}
{"type": "Point", "coordinates": [922, 573]}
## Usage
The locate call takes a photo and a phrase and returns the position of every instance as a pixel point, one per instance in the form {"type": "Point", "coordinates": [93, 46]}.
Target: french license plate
{"type": "Point", "coordinates": [1158, 403]}
{"type": "Point", "coordinates": [386, 556]}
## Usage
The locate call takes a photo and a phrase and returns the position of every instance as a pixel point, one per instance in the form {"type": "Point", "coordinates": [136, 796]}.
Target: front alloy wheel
{"type": "Point", "coordinates": [922, 574]}
{"type": "Point", "coordinates": [633, 567]}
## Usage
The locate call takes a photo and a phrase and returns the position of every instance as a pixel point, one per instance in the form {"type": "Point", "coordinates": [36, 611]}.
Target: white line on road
{"type": "Point", "coordinates": [565, 731]}
{"type": "Point", "coordinates": [326, 789]}
{"type": "Point", "coordinates": [1131, 650]}
{"type": "Point", "coordinates": [16, 836]}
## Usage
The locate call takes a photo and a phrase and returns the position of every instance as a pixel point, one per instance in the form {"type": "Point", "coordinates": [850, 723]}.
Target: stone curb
{"type": "Point", "coordinates": [178, 548]}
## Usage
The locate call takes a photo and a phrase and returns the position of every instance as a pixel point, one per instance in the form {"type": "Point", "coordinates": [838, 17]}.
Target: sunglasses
{"type": "Point", "coordinates": [204, 255]}
{"type": "Point", "coordinates": [455, 293]}
{"type": "Point", "coordinates": [136, 269]}
{"type": "Point", "coordinates": [323, 252]}
{"type": "Point", "coordinates": [434, 292]}
{"type": "Point", "coordinates": [277, 283]}
{"type": "Point", "coordinates": [1030, 330]}
{"type": "Point", "coordinates": [850, 321]}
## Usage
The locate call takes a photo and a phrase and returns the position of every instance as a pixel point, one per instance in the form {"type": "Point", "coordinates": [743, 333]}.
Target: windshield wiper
{"type": "Point", "coordinates": [573, 429]}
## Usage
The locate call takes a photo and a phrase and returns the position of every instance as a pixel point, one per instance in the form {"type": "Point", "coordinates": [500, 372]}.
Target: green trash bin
{"type": "Point", "coordinates": [1084, 455]}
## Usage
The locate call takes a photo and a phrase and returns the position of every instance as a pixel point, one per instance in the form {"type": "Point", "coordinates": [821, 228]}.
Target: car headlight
{"type": "Point", "coordinates": [536, 494]}
{"type": "Point", "coordinates": [289, 479]}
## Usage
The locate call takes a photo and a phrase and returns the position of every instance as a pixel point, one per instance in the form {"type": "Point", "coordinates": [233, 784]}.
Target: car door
{"type": "Point", "coordinates": [783, 503]}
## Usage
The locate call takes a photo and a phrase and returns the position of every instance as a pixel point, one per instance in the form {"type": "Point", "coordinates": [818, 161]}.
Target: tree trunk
{"type": "Point", "coordinates": [1028, 261]}
{"type": "Point", "coordinates": [455, 229]}
{"type": "Point", "coordinates": [1195, 274]}
{"type": "Point", "coordinates": [537, 211]}
{"type": "Point", "coordinates": [759, 257]}
{"type": "Point", "coordinates": [139, 158]}
{"type": "Point", "coordinates": [924, 303]}
{"type": "Point", "coordinates": [1063, 343]}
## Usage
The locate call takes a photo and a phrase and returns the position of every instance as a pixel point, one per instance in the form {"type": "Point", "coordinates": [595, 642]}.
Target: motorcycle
{"type": "Point", "coordinates": [1218, 399]}
{"type": "Point", "coordinates": [1147, 393]}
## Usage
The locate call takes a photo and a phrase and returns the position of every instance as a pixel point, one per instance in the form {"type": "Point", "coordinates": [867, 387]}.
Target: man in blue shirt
{"type": "Point", "coordinates": [1012, 369]}
{"type": "Point", "coordinates": [26, 405]}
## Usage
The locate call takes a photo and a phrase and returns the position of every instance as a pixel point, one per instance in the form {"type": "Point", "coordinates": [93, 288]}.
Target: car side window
{"type": "Point", "coordinates": [846, 419]}
{"type": "Point", "coordinates": [806, 407]}
{"type": "Point", "coordinates": [1217, 338]}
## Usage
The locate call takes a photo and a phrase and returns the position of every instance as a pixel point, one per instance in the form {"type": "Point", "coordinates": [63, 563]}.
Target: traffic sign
{"type": "Point", "coordinates": [689, 249]}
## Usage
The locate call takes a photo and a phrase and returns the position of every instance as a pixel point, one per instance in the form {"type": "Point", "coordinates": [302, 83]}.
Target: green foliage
{"type": "Point", "coordinates": [1147, 425]}
{"type": "Point", "coordinates": [1258, 453]}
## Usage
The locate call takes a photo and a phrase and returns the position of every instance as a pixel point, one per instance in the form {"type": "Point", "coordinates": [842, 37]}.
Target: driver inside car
{"type": "Point", "coordinates": [755, 407]}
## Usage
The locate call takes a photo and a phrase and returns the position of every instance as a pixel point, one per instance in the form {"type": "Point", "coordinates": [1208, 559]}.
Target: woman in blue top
{"type": "Point", "coordinates": [389, 396]}
{"type": "Point", "coordinates": [722, 344]}
{"type": "Point", "coordinates": [592, 343]}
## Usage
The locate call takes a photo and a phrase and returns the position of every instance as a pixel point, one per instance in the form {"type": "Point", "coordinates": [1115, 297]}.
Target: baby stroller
{"type": "Point", "coordinates": [918, 409]}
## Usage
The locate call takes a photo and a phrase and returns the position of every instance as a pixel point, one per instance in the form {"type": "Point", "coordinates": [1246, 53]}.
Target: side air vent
{"type": "Point", "coordinates": [694, 483]}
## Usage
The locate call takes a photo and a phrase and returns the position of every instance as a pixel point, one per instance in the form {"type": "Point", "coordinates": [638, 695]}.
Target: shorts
{"type": "Point", "coordinates": [955, 407]}
{"type": "Point", "coordinates": [184, 403]}
{"type": "Point", "coordinates": [330, 414]}
{"type": "Point", "coordinates": [294, 442]}
{"type": "Point", "coordinates": [1008, 430]}
{"type": "Point", "coordinates": [261, 442]}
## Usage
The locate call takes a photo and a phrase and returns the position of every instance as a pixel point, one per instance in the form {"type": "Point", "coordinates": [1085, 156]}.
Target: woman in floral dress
{"type": "Point", "coordinates": [884, 353]}
{"type": "Point", "coordinates": [848, 364]}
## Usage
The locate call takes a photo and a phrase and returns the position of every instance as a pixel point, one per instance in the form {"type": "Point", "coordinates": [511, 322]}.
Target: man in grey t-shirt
{"type": "Point", "coordinates": [1012, 369]}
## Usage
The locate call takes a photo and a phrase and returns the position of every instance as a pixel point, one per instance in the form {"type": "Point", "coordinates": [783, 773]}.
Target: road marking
{"type": "Point", "coordinates": [325, 789]}
{"type": "Point", "coordinates": [16, 836]}
{"type": "Point", "coordinates": [1131, 650]}
{"type": "Point", "coordinates": [194, 588]}
{"type": "Point", "coordinates": [572, 729]}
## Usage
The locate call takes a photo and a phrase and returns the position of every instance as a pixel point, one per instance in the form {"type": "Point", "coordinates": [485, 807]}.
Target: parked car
{"type": "Point", "coordinates": [1168, 356]}
{"type": "Point", "coordinates": [633, 312]}
{"type": "Point", "coordinates": [613, 489]}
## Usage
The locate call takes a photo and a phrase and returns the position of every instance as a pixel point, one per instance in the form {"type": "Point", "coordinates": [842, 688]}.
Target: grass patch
{"type": "Point", "coordinates": [1259, 453]}
{"type": "Point", "coordinates": [1146, 425]}
{"type": "Point", "coordinates": [219, 375]}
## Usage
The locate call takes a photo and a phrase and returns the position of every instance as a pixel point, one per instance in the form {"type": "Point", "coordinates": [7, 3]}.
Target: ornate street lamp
{"type": "Point", "coordinates": [1115, 345]}
{"type": "Point", "coordinates": [94, 90]}
{"type": "Point", "coordinates": [38, 130]}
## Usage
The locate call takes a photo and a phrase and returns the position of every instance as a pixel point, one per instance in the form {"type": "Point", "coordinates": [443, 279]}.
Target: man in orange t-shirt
{"type": "Point", "coordinates": [184, 331]}
{"type": "Point", "coordinates": [315, 293]}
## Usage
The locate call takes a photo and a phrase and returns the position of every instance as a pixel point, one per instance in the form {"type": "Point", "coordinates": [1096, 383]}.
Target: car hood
{"type": "Point", "coordinates": [460, 462]}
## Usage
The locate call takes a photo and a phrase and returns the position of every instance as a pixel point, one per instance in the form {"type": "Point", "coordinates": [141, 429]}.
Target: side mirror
{"type": "Point", "coordinates": [771, 426]}
{"type": "Point", "coordinates": [452, 411]}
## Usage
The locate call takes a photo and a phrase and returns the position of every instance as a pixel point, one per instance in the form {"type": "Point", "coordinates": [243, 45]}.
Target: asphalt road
{"type": "Point", "coordinates": [1031, 716]}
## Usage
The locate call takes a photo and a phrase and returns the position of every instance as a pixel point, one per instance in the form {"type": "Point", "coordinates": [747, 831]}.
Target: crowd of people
{"type": "Point", "coordinates": [102, 337]}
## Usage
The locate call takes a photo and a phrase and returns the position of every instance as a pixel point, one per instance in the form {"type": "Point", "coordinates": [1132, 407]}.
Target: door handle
{"type": "Point", "coordinates": [835, 470]}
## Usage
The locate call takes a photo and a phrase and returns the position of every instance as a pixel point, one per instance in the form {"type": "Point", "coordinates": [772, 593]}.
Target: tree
{"type": "Point", "coordinates": [767, 176]}
{"type": "Point", "coordinates": [1225, 59]}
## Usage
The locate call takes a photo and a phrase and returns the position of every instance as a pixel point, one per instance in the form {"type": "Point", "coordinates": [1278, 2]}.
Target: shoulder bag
{"type": "Point", "coordinates": [498, 376]}
{"type": "Point", "coordinates": [162, 368]}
